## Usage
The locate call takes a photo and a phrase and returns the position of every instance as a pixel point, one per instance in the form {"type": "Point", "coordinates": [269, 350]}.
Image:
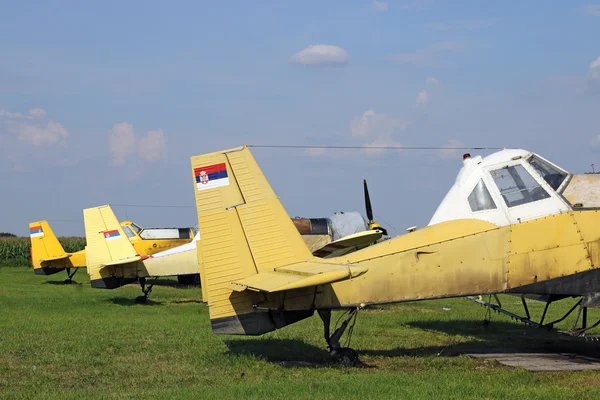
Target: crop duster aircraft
{"type": "Point", "coordinates": [113, 262]}
{"type": "Point", "coordinates": [49, 257]}
{"type": "Point", "coordinates": [512, 223]}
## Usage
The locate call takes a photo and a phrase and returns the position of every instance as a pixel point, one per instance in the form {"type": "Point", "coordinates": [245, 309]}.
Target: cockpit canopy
{"type": "Point", "coordinates": [513, 185]}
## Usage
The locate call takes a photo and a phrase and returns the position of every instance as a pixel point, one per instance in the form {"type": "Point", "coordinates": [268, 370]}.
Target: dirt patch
{"type": "Point", "coordinates": [539, 362]}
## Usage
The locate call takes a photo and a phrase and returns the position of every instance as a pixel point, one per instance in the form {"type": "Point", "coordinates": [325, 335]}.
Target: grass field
{"type": "Point", "coordinates": [71, 341]}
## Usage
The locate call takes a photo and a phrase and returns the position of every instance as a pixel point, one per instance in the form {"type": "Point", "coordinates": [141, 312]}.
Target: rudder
{"type": "Point", "coordinates": [45, 248]}
{"type": "Point", "coordinates": [245, 230]}
{"type": "Point", "coordinates": [107, 245]}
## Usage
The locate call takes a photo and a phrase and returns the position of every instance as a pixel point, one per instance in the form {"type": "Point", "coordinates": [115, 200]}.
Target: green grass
{"type": "Point", "coordinates": [71, 341]}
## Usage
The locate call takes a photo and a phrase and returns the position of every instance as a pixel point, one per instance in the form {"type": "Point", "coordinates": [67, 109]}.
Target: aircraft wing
{"type": "Point", "coordinates": [348, 243]}
{"type": "Point", "coordinates": [296, 276]}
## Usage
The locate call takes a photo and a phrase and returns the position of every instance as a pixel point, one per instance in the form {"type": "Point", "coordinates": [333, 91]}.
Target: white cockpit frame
{"type": "Point", "coordinates": [463, 201]}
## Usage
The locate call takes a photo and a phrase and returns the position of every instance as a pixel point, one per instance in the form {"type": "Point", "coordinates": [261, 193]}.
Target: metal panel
{"type": "Point", "coordinates": [583, 190]}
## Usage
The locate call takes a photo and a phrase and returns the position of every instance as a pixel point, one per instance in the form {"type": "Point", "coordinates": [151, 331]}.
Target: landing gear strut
{"type": "Point", "coordinates": [70, 275]}
{"type": "Point", "coordinates": [146, 290]}
{"type": "Point", "coordinates": [345, 355]}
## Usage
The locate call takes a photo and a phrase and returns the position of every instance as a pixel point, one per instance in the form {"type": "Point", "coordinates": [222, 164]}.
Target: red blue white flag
{"type": "Point", "coordinates": [112, 235]}
{"type": "Point", "coordinates": [36, 231]}
{"type": "Point", "coordinates": [211, 176]}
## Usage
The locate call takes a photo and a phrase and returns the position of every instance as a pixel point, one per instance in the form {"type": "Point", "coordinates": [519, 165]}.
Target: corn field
{"type": "Point", "coordinates": [15, 251]}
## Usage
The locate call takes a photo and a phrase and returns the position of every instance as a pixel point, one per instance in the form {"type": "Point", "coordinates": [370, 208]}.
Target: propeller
{"type": "Point", "coordinates": [372, 224]}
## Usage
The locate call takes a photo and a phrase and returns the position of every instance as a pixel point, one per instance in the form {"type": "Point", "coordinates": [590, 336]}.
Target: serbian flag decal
{"type": "Point", "coordinates": [36, 231]}
{"type": "Point", "coordinates": [111, 235]}
{"type": "Point", "coordinates": [211, 176]}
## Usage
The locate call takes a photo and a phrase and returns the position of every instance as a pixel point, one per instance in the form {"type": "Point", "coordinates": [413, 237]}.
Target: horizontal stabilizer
{"type": "Point", "coordinates": [121, 261]}
{"type": "Point", "coordinates": [296, 276]}
{"type": "Point", "coordinates": [54, 258]}
{"type": "Point", "coordinates": [348, 243]}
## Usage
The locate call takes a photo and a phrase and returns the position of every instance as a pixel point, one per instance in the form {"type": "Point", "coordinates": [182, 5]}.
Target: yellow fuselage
{"type": "Point", "coordinates": [557, 254]}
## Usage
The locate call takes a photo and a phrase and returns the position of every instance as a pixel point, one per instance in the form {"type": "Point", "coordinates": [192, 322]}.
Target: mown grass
{"type": "Point", "coordinates": [71, 341]}
{"type": "Point", "coordinates": [15, 250]}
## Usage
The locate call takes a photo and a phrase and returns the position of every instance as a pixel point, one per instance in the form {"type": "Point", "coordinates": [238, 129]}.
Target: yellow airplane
{"type": "Point", "coordinates": [48, 256]}
{"type": "Point", "coordinates": [112, 261]}
{"type": "Point", "coordinates": [259, 275]}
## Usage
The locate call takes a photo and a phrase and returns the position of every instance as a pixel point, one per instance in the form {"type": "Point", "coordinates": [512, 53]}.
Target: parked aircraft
{"type": "Point", "coordinates": [512, 223]}
{"type": "Point", "coordinates": [49, 257]}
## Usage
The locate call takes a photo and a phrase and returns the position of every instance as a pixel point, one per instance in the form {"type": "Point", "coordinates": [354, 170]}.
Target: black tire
{"type": "Point", "coordinates": [195, 279]}
{"type": "Point", "coordinates": [347, 357]}
{"type": "Point", "coordinates": [183, 279]}
{"type": "Point", "coordinates": [141, 300]}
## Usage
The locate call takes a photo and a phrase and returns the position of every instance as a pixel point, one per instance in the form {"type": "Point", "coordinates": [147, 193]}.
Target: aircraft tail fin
{"type": "Point", "coordinates": [107, 246]}
{"type": "Point", "coordinates": [245, 231]}
{"type": "Point", "coordinates": [45, 247]}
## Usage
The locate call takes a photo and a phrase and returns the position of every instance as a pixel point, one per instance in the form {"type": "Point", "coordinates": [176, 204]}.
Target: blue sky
{"type": "Point", "coordinates": [105, 102]}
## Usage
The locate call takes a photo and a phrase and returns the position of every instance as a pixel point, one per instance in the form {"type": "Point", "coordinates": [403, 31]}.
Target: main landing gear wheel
{"type": "Point", "coordinates": [344, 355]}
{"type": "Point", "coordinates": [146, 290]}
{"type": "Point", "coordinates": [70, 275]}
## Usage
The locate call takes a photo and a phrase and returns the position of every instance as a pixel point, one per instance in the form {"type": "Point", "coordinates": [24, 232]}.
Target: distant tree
{"type": "Point", "coordinates": [7, 234]}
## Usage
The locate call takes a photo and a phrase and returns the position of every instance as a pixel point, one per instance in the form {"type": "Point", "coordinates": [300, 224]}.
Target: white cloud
{"type": "Point", "coordinates": [377, 130]}
{"type": "Point", "coordinates": [593, 10]}
{"type": "Point", "coordinates": [380, 5]}
{"type": "Point", "coordinates": [152, 147]}
{"type": "Point", "coordinates": [33, 127]}
{"type": "Point", "coordinates": [380, 144]}
{"type": "Point", "coordinates": [321, 54]}
{"type": "Point", "coordinates": [430, 55]}
{"type": "Point", "coordinates": [373, 125]}
{"type": "Point", "coordinates": [595, 69]}
{"type": "Point", "coordinates": [433, 81]}
{"type": "Point", "coordinates": [422, 98]}
{"type": "Point", "coordinates": [37, 113]}
{"type": "Point", "coordinates": [450, 150]}
{"type": "Point", "coordinates": [34, 113]}
{"type": "Point", "coordinates": [123, 142]}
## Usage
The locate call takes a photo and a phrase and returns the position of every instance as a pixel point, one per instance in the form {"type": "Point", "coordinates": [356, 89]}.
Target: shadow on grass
{"type": "Point", "coordinates": [188, 301]}
{"type": "Point", "coordinates": [280, 350]}
{"type": "Point", "coordinates": [63, 283]}
{"type": "Point", "coordinates": [125, 301]}
{"type": "Point", "coordinates": [166, 283]}
{"type": "Point", "coordinates": [497, 337]}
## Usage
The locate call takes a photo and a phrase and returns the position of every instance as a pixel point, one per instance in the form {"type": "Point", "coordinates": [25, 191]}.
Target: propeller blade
{"type": "Point", "coordinates": [368, 202]}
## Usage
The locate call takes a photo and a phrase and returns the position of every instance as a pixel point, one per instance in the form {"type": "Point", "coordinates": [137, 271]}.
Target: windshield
{"type": "Point", "coordinates": [553, 176]}
{"type": "Point", "coordinates": [136, 228]}
{"type": "Point", "coordinates": [517, 186]}
{"type": "Point", "coordinates": [480, 198]}
{"type": "Point", "coordinates": [128, 232]}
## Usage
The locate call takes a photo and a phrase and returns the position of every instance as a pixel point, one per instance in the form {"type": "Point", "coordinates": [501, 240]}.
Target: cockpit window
{"type": "Point", "coordinates": [553, 176]}
{"type": "Point", "coordinates": [128, 232]}
{"type": "Point", "coordinates": [517, 186]}
{"type": "Point", "coordinates": [136, 228]}
{"type": "Point", "coordinates": [480, 198]}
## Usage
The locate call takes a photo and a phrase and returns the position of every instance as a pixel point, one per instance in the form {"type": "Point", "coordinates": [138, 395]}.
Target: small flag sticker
{"type": "Point", "coordinates": [36, 231]}
{"type": "Point", "coordinates": [211, 176]}
{"type": "Point", "coordinates": [112, 235]}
